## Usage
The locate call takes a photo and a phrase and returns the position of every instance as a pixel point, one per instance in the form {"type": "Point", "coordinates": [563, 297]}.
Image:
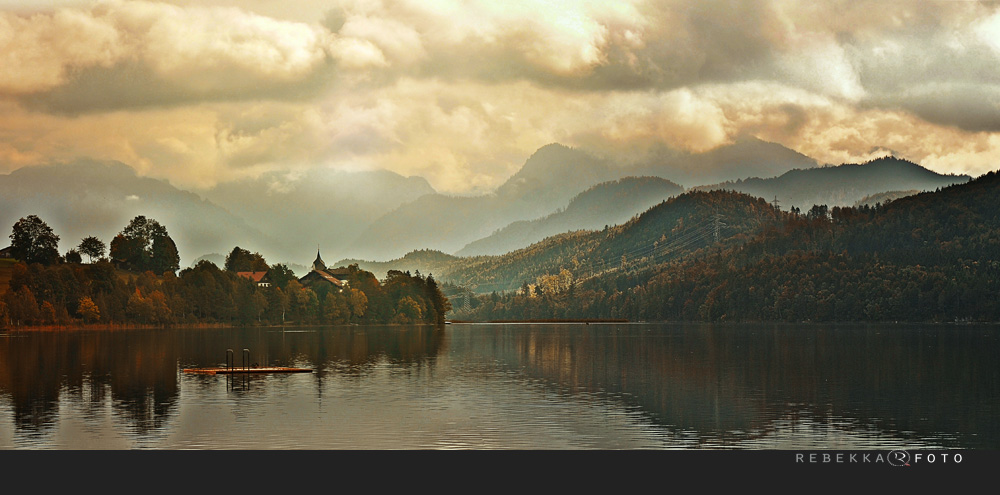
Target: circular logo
{"type": "Point", "coordinates": [899, 458]}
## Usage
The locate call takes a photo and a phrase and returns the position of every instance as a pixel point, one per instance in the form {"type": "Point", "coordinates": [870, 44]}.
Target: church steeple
{"type": "Point", "coordinates": [318, 264]}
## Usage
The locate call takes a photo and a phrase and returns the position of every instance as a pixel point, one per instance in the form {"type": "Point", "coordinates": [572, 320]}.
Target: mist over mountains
{"type": "Point", "coordinates": [607, 203]}
{"type": "Point", "coordinates": [843, 185]}
{"type": "Point", "coordinates": [550, 178]}
{"type": "Point", "coordinates": [320, 207]}
{"type": "Point", "coordinates": [381, 215]}
{"type": "Point", "coordinates": [746, 157]}
{"type": "Point", "coordinates": [90, 198]}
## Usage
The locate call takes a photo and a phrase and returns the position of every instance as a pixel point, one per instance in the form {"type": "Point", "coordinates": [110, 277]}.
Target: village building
{"type": "Point", "coordinates": [7, 252]}
{"type": "Point", "coordinates": [320, 274]}
{"type": "Point", "coordinates": [259, 278]}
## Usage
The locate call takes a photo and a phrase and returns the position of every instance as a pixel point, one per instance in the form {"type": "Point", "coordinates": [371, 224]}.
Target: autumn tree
{"type": "Point", "coordinates": [358, 302]}
{"type": "Point", "coordinates": [335, 309]}
{"type": "Point", "coordinates": [48, 313]}
{"type": "Point", "coordinates": [408, 311]}
{"type": "Point", "coordinates": [33, 241]}
{"type": "Point", "coordinates": [22, 307]}
{"type": "Point", "coordinates": [88, 310]}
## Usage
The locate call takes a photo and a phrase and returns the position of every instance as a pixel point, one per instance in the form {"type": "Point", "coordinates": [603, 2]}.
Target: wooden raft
{"type": "Point", "coordinates": [265, 369]}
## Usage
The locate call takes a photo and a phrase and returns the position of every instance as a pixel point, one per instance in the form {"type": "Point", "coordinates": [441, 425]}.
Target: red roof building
{"type": "Point", "coordinates": [259, 278]}
{"type": "Point", "coordinates": [321, 274]}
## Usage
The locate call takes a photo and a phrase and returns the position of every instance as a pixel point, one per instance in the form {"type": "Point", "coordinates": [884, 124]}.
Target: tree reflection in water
{"type": "Point", "coordinates": [700, 385]}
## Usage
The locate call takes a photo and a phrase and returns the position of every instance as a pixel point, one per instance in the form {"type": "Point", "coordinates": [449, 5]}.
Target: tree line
{"type": "Point", "coordinates": [139, 283]}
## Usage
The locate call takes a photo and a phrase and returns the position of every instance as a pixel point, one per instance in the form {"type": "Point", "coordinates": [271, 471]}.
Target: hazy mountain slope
{"type": "Point", "coordinates": [322, 207]}
{"type": "Point", "coordinates": [607, 203]}
{"type": "Point", "coordinates": [549, 178]}
{"type": "Point", "coordinates": [552, 176]}
{"type": "Point", "coordinates": [427, 262]}
{"type": "Point", "coordinates": [217, 259]}
{"type": "Point", "coordinates": [842, 185]}
{"type": "Point", "coordinates": [91, 198]}
{"type": "Point", "coordinates": [884, 197]}
{"type": "Point", "coordinates": [747, 157]}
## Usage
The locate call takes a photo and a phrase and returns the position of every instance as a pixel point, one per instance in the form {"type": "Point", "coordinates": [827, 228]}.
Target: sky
{"type": "Point", "coordinates": [461, 92]}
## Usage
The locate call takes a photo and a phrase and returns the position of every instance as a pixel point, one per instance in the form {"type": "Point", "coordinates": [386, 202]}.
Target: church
{"type": "Point", "coordinates": [320, 274]}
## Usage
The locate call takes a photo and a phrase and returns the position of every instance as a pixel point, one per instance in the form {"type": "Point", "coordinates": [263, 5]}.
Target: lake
{"type": "Point", "coordinates": [507, 386]}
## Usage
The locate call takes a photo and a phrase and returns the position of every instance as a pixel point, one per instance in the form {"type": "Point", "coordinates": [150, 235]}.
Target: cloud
{"type": "Point", "coordinates": [134, 54]}
{"type": "Point", "coordinates": [462, 91]}
{"type": "Point", "coordinates": [38, 52]}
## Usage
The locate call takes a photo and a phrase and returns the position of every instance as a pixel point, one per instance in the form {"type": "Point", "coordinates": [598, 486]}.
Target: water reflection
{"type": "Point", "coordinates": [135, 373]}
{"type": "Point", "coordinates": [507, 386]}
{"type": "Point", "coordinates": [733, 385]}
{"type": "Point", "coordinates": [37, 370]}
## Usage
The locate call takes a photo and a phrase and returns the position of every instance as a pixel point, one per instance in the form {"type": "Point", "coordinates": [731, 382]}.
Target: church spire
{"type": "Point", "coordinates": [318, 264]}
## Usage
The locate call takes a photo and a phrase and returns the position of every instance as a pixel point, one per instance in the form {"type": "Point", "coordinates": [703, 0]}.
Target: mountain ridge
{"type": "Point", "coordinates": [841, 185]}
{"type": "Point", "coordinates": [450, 223]}
{"type": "Point", "coordinates": [606, 203]}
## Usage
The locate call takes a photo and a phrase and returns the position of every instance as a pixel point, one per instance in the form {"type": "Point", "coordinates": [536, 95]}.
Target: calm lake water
{"type": "Point", "coordinates": [493, 386]}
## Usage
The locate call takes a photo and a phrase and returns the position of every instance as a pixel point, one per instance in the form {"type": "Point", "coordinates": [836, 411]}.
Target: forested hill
{"type": "Point", "coordinates": [933, 256]}
{"type": "Point", "coordinates": [607, 203]}
{"type": "Point", "coordinates": [843, 185]}
{"type": "Point", "coordinates": [666, 231]}
{"type": "Point", "coordinates": [884, 197]}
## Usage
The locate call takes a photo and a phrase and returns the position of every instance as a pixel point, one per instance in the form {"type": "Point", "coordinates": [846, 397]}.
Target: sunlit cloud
{"type": "Point", "coordinates": [462, 92]}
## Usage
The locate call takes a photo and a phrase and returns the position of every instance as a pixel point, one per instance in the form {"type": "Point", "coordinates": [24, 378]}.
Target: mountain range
{"type": "Point", "coordinates": [727, 256]}
{"type": "Point", "coordinates": [549, 179]}
{"type": "Point", "coordinates": [380, 215]}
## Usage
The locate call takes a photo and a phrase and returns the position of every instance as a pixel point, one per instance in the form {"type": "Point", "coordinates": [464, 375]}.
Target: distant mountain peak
{"type": "Point", "coordinates": [115, 167]}
{"type": "Point", "coordinates": [553, 174]}
{"type": "Point", "coordinates": [892, 161]}
{"type": "Point", "coordinates": [550, 155]}
{"type": "Point", "coordinates": [550, 148]}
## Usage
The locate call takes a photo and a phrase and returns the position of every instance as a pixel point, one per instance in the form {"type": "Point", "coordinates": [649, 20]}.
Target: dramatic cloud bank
{"type": "Point", "coordinates": [462, 91]}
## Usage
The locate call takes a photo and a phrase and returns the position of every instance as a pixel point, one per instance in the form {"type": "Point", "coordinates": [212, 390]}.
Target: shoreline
{"type": "Point", "coordinates": [115, 327]}
{"type": "Point", "coordinates": [71, 327]}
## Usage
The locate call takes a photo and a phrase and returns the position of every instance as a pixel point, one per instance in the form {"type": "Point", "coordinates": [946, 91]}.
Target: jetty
{"type": "Point", "coordinates": [228, 371]}
{"type": "Point", "coordinates": [231, 369]}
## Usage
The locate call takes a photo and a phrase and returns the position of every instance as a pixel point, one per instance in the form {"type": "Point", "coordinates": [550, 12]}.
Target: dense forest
{"type": "Point", "coordinates": [139, 284]}
{"type": "Point", "coordinates": [933, 256]}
